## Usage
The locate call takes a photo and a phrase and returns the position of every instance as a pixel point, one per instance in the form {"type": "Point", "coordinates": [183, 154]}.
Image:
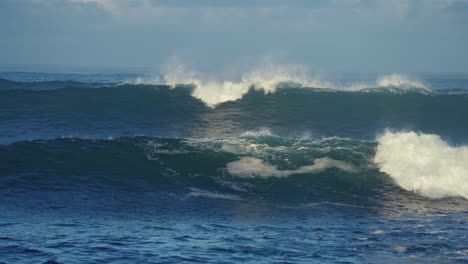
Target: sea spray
{"type": "Point", "coordinates": [268, 77]}
{"type": "Point", "coordinates": [424, 163]}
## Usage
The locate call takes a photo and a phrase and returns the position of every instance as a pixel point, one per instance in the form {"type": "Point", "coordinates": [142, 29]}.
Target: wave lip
{"type": "Point", "coordinates": [424, 163]}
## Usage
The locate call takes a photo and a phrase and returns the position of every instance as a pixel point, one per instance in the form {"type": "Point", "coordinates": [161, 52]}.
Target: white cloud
{"type": "Point", "coordinates": [113, 6]}
{"type": "Point", "coordinates": [271, 16]}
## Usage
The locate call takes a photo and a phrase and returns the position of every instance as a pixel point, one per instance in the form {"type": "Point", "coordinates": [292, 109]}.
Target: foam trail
{"type": "Point", "coordinates": [424, 163]}
{"type": "Point", "coordinates": [249, 167]}
{"type": "Point", "coordinates": [194, 192]}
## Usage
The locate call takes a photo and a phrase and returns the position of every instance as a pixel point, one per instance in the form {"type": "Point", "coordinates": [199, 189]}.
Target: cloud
{"type": "Point", "coordinates": [396, 34]}
{"type": "Point", "coordinates": [261, 7]}
{"type": "Point", "coordinates": [113, 6]}
{"type": "Point", "coordinates": [300, 16]}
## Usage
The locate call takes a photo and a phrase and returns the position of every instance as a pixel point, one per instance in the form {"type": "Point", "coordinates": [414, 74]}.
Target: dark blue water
{"type": "Point", "coordinates": [99, 168]}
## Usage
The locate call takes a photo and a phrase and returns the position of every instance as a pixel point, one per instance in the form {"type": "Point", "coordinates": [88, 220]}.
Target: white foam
{"type": "Point", "coordinates": [424, 163]}
{"type": "Point", "coordinates": [145, 80]}
{"type": "Point", "coordinates": [249, 167]}
{"type": "Point", "coordinates": [155, 147]}
{"type": "Point", "coordinates": [267, 77]}
{"type": "Point", "coordinates": [401, 82]}
{"type": "Point", "coordinates": [262, 132]}
{"type": "Point", "coordinates": [400, 249]}
{"type": "Point", "coordinates": [332, 204]}
{"type": "Point", "coordinates": [249, 145]}
{"type": "Point", "coordinates": [194, 192]}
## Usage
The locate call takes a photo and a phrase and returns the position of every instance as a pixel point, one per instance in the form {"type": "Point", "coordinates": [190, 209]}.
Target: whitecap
{"type": "Point", "coordinates": [424, 163]}
{"type": "Point", "coordinates": [268, 77]}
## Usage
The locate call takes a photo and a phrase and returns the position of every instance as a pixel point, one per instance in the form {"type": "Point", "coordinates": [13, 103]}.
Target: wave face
{"type": "Point", "coordinates": [267, 79]}
{"type": "Point", "coordinates": [159, 110]}
{"type": "Point", "coordinates": [249, 168]}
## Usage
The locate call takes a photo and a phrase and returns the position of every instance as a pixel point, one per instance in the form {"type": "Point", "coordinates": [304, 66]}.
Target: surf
{"type": "Point", "coordinates": [269, 78]}
{"type": "Point", "coordinates": [424, 163]}
{"type": "Point", "coordinates": [241, 166]}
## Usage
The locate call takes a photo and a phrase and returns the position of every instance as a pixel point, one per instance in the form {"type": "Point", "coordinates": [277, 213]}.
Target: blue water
{"type": "Point", "coordinates": [98, 168]}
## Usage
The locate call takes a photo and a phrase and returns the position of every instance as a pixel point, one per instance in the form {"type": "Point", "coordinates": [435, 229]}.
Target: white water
{"type": "Point", "coordinates": [400, 81]}
{"type": "Point", "coordinates": [194, 192]}
{"type": "Point", "coordinates": [249, 167]}
{"type": "Point", "coordinates": [267, 77]}
{"type": "Point", "coordinates": [424, 163]}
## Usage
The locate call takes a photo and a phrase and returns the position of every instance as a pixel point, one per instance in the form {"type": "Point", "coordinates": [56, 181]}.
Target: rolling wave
{"type": "Point", "coordinates": [248, 166]}
{"type": "Point", "coordinates": [152, 110]}
{"type": "Point", "coordinates": [268, 77]}
{"type": "Point", "coordinates": [213, 93]}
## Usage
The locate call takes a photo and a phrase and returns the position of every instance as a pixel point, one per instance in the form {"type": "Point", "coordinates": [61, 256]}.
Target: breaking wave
{"type": "Point", "coordinates": [212, 92]}
{"type": "Point", "coordinates": [241, 167]}
{"type": "Point", "coordinates": [162, 110]}
{"type": "Point", "coordinates": [424, 163]}
{"type": "Point", "coordinates": [268, 78]}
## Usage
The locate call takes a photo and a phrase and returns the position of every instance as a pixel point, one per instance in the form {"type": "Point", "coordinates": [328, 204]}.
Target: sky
{"type": "Point", "coordinates": [407, 36]}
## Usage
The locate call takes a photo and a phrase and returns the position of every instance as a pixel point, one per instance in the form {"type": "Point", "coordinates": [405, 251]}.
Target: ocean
{"type": "Point", "coordinates": [265, 168]}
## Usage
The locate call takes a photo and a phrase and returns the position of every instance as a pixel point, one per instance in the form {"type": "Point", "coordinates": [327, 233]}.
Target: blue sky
{"type": "Point", "coordinates": [326, 35]}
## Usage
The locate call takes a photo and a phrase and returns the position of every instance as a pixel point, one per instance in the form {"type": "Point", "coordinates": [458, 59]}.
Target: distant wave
{"type": "Point", "coordinates": [269, 79]}
{"type": "Point", "coordinates": [215, 93]}
{"type": "Point", "coordinates": [48, 85]}
{"type": "Point", "coordinates": [164, 111]}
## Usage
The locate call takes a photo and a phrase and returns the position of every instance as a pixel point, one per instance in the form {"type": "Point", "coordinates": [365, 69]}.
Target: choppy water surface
{"type": "Point", "coordinates": [114, 168]}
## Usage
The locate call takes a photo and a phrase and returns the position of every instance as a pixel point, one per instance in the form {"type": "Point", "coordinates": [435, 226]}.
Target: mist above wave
{"type": "Point", "coordinates": [268, 78]}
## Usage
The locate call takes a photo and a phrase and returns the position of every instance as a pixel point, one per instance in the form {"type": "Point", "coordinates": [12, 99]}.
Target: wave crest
{"type": "Point", "coordinates": [401, 81]}
{"type": "Point", "coordinates": [268, 78]}
{"type": "Point", "coordinates": [424, 163]}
